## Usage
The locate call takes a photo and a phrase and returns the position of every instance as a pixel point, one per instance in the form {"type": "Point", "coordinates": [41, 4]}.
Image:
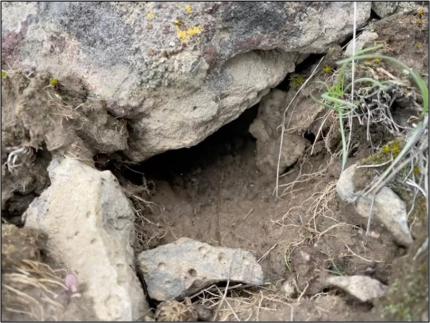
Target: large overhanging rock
{"type": "Point", "coordinates": [176, 71]}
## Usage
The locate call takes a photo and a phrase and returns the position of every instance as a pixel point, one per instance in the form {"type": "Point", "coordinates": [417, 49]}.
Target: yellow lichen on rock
{"type": "Point", "coordinates": [150, 16]}
{"type": "Point", "coordinates": [189, 9]}
{"type": "Point", "coordinates": [186, 35]}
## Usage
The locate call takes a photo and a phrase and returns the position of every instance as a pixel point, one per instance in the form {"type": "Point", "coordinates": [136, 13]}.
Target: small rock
{"type": "Point", "coordinates": [71, 282]}
{"type": "Point", "coordinates": [185, 266]}
{"type": "Point", "coordinates": [345, 187]}
{"type": "Point", "coordinates": [374, 234]}
{"type": "Point", "coordinates": [363, 288]}
{"type": "Point", "coordinates": [391, 211]}
{"type": "Point", "coordinates": [388, 208]}
{"type": "Point", "coordinates": [205, 314]}
{"type": "Point", "coordinates": [288, 289]}
{"type": "Point", "coordinates": [89, 224]}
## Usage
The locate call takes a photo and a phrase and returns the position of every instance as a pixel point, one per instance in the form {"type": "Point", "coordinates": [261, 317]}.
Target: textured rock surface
{"type": "Point", "coordinates": [383, 9]}
{"type": "Point", "coordinates": [388, 208]}
{"type": "Point", "coordinates": [387, 8]}
{"type": "Point", "coordinates": [407, 36]}
{"type": "Point", "coordinates": [176, 71]}
{"type": "Point", "coordinates": [266, 128]}
{"type": "Point", "coordinates": [181, 268]}
{"type": "Point", "coordinates": [391, 212]}
{"type": "Point", "coordinates": [89, 223]}
{"type": "Point", "coordinates": [362, 287]}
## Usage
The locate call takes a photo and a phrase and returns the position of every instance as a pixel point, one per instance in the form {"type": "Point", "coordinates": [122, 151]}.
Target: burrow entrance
{"type": "Point", "coordinates": [214, 193]}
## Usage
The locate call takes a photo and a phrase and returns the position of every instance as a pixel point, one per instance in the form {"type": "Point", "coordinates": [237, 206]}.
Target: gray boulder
{"type": "Point", "coordinates": [89, 224]}
{"type": "Point", "coordinates": [176, 71]}
{"type": "Point", "coordinates": [181, 268]}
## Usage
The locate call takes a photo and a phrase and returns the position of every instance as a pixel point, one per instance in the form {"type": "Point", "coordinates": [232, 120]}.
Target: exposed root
{"type": "Point", "coordinates": [147, 233]}
{"type": "Point", "coordinates": [19, 157]}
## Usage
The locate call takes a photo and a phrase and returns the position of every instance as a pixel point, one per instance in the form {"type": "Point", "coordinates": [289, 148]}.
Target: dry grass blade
{"type": "Point", "coordinates": [361, 257]}
{"type": "Point", "coordinates": [222, 300]}
{"type": "Point", "coordinates": [267, 252]}
{"type": "Point", "coordinates": [40, 316]}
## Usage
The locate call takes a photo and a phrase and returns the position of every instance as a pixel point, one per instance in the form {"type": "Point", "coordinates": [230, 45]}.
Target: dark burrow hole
{"type": "Point", "coordinates": [231, 139]}
{"type": "Point", "coordinates": [374, 16]}
{"type": "Point", "coordinates": [310, 136]}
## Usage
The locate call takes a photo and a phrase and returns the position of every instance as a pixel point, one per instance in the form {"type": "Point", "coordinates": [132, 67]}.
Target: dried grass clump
{"type": "Point", "coordinates": [239, 302]}
{"type": "Point", "coordinates": [31, 289]}
{"type": "Point", "coordinates": [32, 292]}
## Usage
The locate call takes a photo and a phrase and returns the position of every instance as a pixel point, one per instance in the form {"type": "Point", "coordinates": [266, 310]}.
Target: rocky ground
{"type": "Point", "coordinates": [142, 177]}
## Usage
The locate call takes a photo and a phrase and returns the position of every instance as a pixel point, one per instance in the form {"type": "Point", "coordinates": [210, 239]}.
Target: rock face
{"type": "Point", "coordinates": [176, 71]}
{"type": "Point", "coordinates": [388, 208]}
{"type": "Point", "coordinates": [181, 268]}
{"type": "Point", "coordinates": [89, 224]}
{"type": "Point", "coordinates": [362, 287]}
